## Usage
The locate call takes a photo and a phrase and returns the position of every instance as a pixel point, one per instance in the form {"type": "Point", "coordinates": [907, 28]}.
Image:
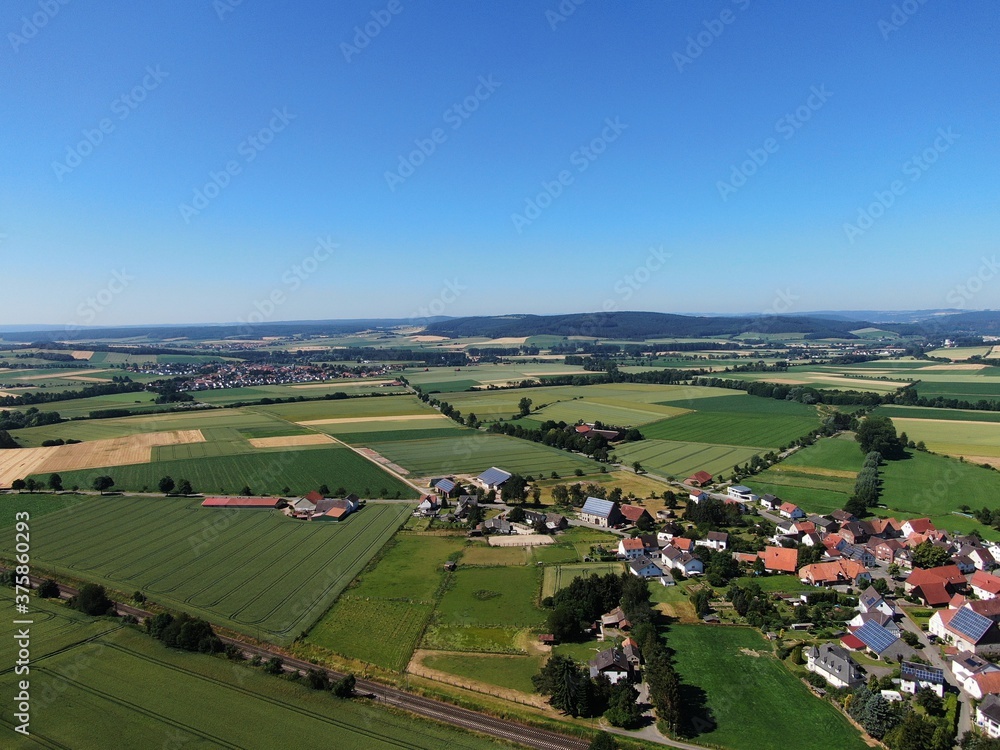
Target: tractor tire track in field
{"type": "Point", "coordinates": [140, 710]}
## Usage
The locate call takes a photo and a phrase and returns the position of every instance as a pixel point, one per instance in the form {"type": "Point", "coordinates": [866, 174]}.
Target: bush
{"type": "Point", "coordinates": [93, 600]}
{"type": "Point", "coordinates": [48, 589]}
{"type": "Point", "coordinates": [344, 687]}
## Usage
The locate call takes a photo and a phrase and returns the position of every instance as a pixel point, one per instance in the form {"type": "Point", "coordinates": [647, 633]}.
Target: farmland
{"type": "Point", "coordinates": [255, 571]}
{"type": "Point", "coordinates": [114, 687]}
{"type": "Point", "coordinates": [486, 597]}
{"type": "Point", "coordinates": [512, 672]}
{"type": "Point", "coordinates": [557, 577]}
{"type": "Point", "coordinates": [671, 458]}
{"type": "Point", "coordinates": [756, 703]}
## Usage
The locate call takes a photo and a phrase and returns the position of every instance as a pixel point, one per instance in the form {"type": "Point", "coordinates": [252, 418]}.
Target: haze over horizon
{"type": "Point", "coordinates": [377, 160]}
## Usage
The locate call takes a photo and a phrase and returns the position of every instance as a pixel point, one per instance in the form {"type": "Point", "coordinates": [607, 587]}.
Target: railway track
{"type": "Point", "coordinates": [541, 739]}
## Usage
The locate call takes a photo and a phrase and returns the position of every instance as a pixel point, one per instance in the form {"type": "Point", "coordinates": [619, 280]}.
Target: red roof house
{"type": "Point", "coordinates": [699, 479]}
{"type": "Point", "coordinates": [780, 559]}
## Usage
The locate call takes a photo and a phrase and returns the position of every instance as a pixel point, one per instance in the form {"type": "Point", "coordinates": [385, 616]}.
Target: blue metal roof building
{"type": "Point", "coordinates": [493, 477]}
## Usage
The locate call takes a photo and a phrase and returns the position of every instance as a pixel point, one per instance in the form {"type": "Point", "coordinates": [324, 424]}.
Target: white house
{"type": "Point", "coordinates": [630, 548]}
{"type": "Point", "coordinates": [871, 600]}
{"type": "Point", "coordinates": [601, 512]}
{"type": "Point", "coordinates": [791, 510]}
{"type": "Point", "coordinates": [835, 665]}
{"type": "Point", "coordinates": [644, 567]}
{"type": "Point", "coordinates": [914, 677]}
{"type": "Point", "coordinates": [985, 585]}
{"type": "Point", "coordinates": [966, 664]}
{"type": "Point", "coordinates": [771, 502]}
{"type": "Point", "coordinates": [611, 663]}
{"type": "Point", "coordinates": [682, 561]}
{"type": "Point", "coordinates": [740, 492]}
{"type": "Point", "coordinates": [988, 716]}
{"type": "Point", "coordinates": [697, 497]}
{"type": "Point", "coordinates": [717, 540]}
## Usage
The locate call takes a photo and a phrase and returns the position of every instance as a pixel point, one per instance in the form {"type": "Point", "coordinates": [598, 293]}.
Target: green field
{"type": "Point", "coordinates": [374, 406]}
{"type": "Point", "coordinates": [251, 570]}
{"type": "Point", "coordinates": [671, 458]}
{"type": "Point", "coordinates": [755, 702]}
{"type": "Point", "coordinates": [37, 504]}
{"type": "Point", "coordinates": [557, 577]}
{"type": "Point", "coordinates": [511, 672]}
{"type": "Point", "coordinates": [733, 428]}
{"type": "Point", "coordinates": [126, 690]}
{"type": "Point", "coordinates": [492, 597]}
{"type": "Point", "coordinates": [393, 598]}
{"type": "Point", "coordinates": [264, 471]}
{"type": "Point", "coordinates": [921, 412]}
{"type": "Point", "coordinates": [477, 451]}
{"type": "Point", "coordinates": [973, 439]}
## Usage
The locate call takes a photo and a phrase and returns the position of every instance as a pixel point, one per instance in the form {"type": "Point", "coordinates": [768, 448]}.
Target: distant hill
{"type": "Point", "coordinates": [640, 325]}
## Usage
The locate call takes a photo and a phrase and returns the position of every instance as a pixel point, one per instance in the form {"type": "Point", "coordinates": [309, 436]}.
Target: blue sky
{"type": "Point", "coordinates": [686, 157]}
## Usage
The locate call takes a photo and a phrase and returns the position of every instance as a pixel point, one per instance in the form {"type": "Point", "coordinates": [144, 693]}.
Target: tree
{"type": "Point", "coordinates": [246, 491]}
{"type": "Point", "coordinates": [317, 679]}
{"type": "Point", "coordinates": [18, 484]}
{"type": "Point", "coordinates": [524, 406]}
{"type": "Point", "coordinates": [893, 569]}
{"type": "Point", "coordinates": [637, 467]}
{"type": "Point", "coordinates": [184, 488]}
{"type": "Point", "coordinates": [516, 514]}
{"type": "Point", "coordinates": [877, 433]}
{"type": "Point", "coordinates": [31, 484]}
{"type": "Point", "coordinates": [560, 493]}
{"type": "Point", "coordinates": [274, 665]}
{"type": "Point", "coordinates": [564, 681]}
{"type": "Point", "coordinates": [323, 490]}
{"type": "Point", "coordinates": [48, 589]}
{"type": "Point", "coordinates": [926, 555]}
{"type": "Point", "coordinates": [6, 441]}
{"type": "Point", "coordinates": [166, 485]}
{"type": "Point", "coordinates": [55, 483]}
{"type": "Point", "coordinates": [344, 687]}
{"type": "Point", "coordinates": [103, 483]}
{"type": "Point", "coordinates": [623, 711]}
{"type": "Point", "coordinates": [93, 600]}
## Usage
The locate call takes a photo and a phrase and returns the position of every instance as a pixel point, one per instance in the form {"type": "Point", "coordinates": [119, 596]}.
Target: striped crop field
{"type": "Point", "coordinates": [255, 571]}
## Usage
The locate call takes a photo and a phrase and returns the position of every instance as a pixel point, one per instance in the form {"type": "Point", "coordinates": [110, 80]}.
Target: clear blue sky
{"type": "Point", "coordinates": [692, 111]}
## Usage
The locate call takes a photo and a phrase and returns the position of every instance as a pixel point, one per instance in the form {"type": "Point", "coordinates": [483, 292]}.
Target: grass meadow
{"type": "Point", "coordinates": [756, 703]}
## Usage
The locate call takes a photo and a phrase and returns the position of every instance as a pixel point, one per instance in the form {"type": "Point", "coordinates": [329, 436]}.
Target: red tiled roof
{"type": "Point", "coordinates": [986, 607]}
{"type": "Point", "coordinates": [942, 574]}
{"type": "Point", "coordinates": [920, 525]}
{"type": "Point", "coordinates": [780, 558]}
{"type": "Point", "coordinates": [852, 642]}
{"type": "Point", "coordinates": [934, 593]}
{"type": "Point", "coordinates": [240, 502]}
{"type": "Point", "coordinates": [683, 544]}
{"type": "Point", "coordinates": [989, 682]}
{"type": "Point", "coordinates": [635, 543]}
{"type": "Point", "coordinates": [700, 477]}
{"type": "Point", "coordinates": [632, 512]}
{"type": "Point", "coordinates": [788, 507]}
{"type": "Point", "coordinates": [986, 581]}
{"type": "Point", "coordinates": [830, 541]}
{"type": "Point", "coordinates": [314, 497]}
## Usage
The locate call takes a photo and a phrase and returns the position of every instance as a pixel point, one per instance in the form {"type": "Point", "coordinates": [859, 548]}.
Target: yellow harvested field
{"type": "Point", "coordinates": [509, 340]}
{"type": "Point", "coordinates": [18, 463]}
{"type": "Point", "coordinates": [291, 441]}
{"type": "Point", "coordinates": [89, 379]}
{"type": "Point", "coordinates": [69, 376]}
{"type": "Point", "coordinates": [429, 338]}
{"type": "Point", "coordinates": [957, 366]}
{"type": "Point", "coordinates": [81, 354]}
{"type": "Point", "coordinates": [348, 384]}
{"type": "Point", "coordinates": [993, 461]}
{"type": "Point", "coordinates": [834, 380]}
{"type": "Point", "coordinates": [354, 420]}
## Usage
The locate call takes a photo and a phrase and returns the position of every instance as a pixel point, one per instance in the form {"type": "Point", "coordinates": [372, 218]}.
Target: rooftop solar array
{"type": "Point", "coordinates": [921, 672]}
{"type": "Point", "coordinates": [970, 624]}
{"type": "Point", "coordinates": [445, 485]}
{"type": "Point", "coordinates": [494, 476]}
{"type": "Point", "coordinates": [598, 507]}
{"type": "Point", "coordinates": [875, 637]}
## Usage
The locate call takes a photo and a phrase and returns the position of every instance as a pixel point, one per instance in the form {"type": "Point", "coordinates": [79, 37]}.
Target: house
{"type": "Point", "coordinates": [843, 516]}
{"type": "Point", "coordinates": [644, 567]}
{"type": "Point", "coordinates": [791, 510]}
{"type": "Point", "coordinates": [683, 561]}
{"type": "Point", "coordinates": [935, 586]}
{"type": "Point", "coordinates": [493, 478]}
{"type": "Point", "coordinates": [771, 502]}
{"type": "Point", "coordinates": [822, 524]}
{"type": "Point", "coordinates": [964, 563]}
{"type": "Point", "coordinates": [629, 549]}
{"type": "Point", "coordinates": [884, 528]}
{"type": "Point", "coordinates": [914, 677]}
{"type": "Point", "coordinates": [682, 543]}
{"type": "Point", "coordinates": [613, 664]}
{"type": "Point", "coordinates": [631, 650]}
{"type": "Point", "coordinates": [966, 629]}
{"type": "Point", "coordinates": [697, 497]}
{"type": "Point", "coordinates": [835, 665]}
{"type": "Point", "coordinates": [241, 502]}
{"type": "Point", "coordinates": [464, 506]}
{"type": "Point", "coordinates": [882, 643]}
{"type": "Point", "coordinates": [600, 512]}
{"type": "Point", "coordinates": [853, 532]}
{"type": "Point", "coordinates": [717, 540]}
{"type": "Point", "coordinates": [985, 585]}
{"type": "Point", "coordinates": [835, 573]}
{"type": "Point", "coordinates": [304, 506]}
{"type": "Point", "coordinates": [555, 522]}
{"type": "Point", "coordinates": [988, 716]}
{"type": "Point", "coordinates": [699, 479]}
{"type": "Point", "coordinates": [983, 685]}
{"type": "Point", "coordinates": [882, 619]}
{"type": "Point", "coordinates": [649, 544]}
{"type": "Point", "coordinates": [885, 550]}
{"type": "Point", "coordinates": [965, 664]}
{"type": "Point", "coordinates": [634, 515]}
{"type": "Point", "coordinates": [498, 525]}
{"type": "Point", "coordinates": [668, 533]}
{"type": "Point", "coordinates": [740, 493]}
{"type": "Point", "coordinates": [330, 509]}
{"type": "Point", "coordinates": [871, 600]}
{"type": "Point", "coordinates": [780, 559]}
{"type": "Point", "coordinates": [916, 526]}
{"type": "Point", "coordinates": [858, 553]}
{"type": "Point", "coordinates": [615, 619]}
{"type": "Point", "coordinates": [981, 557]}
{"type": "Point", "coordinates": [430, 505]}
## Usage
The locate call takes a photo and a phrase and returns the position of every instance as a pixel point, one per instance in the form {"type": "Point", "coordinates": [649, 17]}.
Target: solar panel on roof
{"type": "Point", "coordinates": [921, 672]}
{"type": "Point", "coordinates": [445, 485]}
{"type": "Point", "coordinates": [494, 476]}
{"type": "Point", "coordinates": [875, 637]}
{"type": "Point", "coordinates": [970, 624]}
